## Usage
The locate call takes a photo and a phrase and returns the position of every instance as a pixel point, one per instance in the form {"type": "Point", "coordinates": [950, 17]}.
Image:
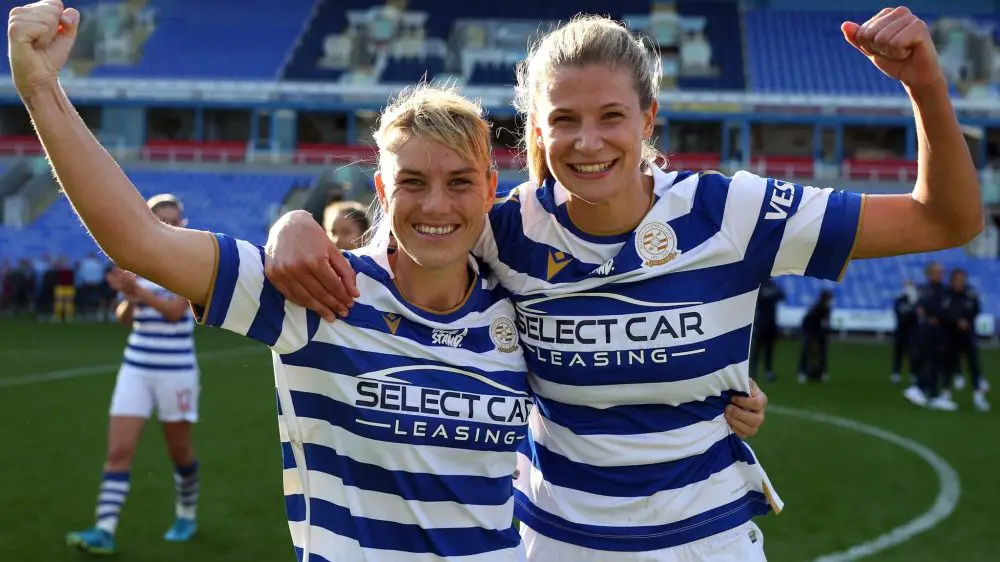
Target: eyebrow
{"type": "Point", "coordinates": [605, 106]}
{"type": "Point", "coordinates": [458, 172]}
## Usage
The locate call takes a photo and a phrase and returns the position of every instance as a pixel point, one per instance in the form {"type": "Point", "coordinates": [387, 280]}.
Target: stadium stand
{"type": "Point", "coordinates": [239, 203]}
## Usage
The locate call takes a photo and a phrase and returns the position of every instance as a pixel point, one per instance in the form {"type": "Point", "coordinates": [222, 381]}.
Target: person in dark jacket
{"type": "Point", "coordinates": [960, 308]}
{"type": "Point", "coordinates": [815, 332]}
{"type": "Point", "coordinates": [765, 328]}
{"type": "Point", "coordinates": [904, 338]}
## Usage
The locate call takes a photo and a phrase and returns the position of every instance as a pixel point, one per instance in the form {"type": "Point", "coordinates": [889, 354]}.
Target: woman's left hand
{"type": "Point", "coordinates": [746, 414]}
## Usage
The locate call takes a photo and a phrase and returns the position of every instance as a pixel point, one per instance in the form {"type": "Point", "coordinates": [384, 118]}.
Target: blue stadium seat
{"type": "Point", "coordinates": [237, 204]}
{"type": "Point", "coordinates": [249, 42]}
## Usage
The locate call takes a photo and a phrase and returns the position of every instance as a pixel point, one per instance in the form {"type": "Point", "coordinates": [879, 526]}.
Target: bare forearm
{"type": "Point", "coordinates": [113, 211]}
{"type": "Point", "coordinates": [116, 215]}
{"type": "Point", "coordinates": [947, 181]}
{"type": "Point", "coordinates": [171, 308]}
{"type": "Point", "coordinates": [124, 312]}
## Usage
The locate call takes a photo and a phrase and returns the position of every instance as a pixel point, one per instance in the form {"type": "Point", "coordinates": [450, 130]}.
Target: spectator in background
{"type": "Point", "coordinates": [65, 290]}
{"type": "Point", "coordinates": [960, 309]}
{"type": "Point", "coordinates": [815, 331]}
{"type": "Point", "coordinates": [765, 332]}
{"type": "Point", "coordinates": [90, 284]}
{"type": "Point", "coordinates": [345, 222]}
{"type": "Point", "coordinates": [904, 338]}
{"type": "Point", "coordinates": [932, 345]}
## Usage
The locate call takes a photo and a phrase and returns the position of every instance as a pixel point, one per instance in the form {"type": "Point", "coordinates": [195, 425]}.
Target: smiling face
{"type": "Point", "coordinates": [592, 126]}
{"type": "Point", "coordinates": [435, 200]}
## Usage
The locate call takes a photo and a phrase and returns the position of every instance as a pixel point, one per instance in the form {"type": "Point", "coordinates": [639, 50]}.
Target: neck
{"type": "Point", "coordinates": [436, 290]}
{"type": "Point", "coordinates": [619, 214]}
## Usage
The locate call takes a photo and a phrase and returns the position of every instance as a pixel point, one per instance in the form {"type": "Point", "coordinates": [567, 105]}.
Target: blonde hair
{"type": "Point", "coordinates": [585, 40]}
{"type": "Point", "coordinates": [437, 113]}
{"type": "Point", "coordinates": [168, 199]}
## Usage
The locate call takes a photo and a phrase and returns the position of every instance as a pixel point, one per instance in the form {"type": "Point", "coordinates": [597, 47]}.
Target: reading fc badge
{"type": "Point", "coordinates": [656, 243]}
{"type": "Point", "coordinates": [504, 334]}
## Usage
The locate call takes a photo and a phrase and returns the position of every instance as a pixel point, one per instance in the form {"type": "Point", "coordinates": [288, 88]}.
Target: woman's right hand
{"type": "Point", "coordinates": [306, 267]}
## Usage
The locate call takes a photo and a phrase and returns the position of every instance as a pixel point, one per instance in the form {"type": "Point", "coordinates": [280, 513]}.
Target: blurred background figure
{"type": "Point", "coordinates": [765, 333]}
{"type": "Point", "coordinates": [904, 337]}
{"type": "Point", "coordinates": [815, 333]}
{"type": "Point", "coordinates": [346, 222]}
{"type": "Point", "coordinates": [960, 309]}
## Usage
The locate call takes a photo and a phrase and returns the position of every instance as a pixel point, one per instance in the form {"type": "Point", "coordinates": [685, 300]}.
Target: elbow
{"type": "Point", "coordinates": [961, 233]}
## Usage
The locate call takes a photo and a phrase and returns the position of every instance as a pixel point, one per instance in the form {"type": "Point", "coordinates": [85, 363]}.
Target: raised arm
{"type": "Point", "coordinates": [945, 208]}
{"type": "Point", "coordinates": [40, 37]}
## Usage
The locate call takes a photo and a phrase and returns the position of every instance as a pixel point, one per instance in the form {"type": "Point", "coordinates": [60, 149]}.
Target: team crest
{"type": "Point", "coordinates": [656, 243]}
{"type": "Point", "coordinates": [504, 334]}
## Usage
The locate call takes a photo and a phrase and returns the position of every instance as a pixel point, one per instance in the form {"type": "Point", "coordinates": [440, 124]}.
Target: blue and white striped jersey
{"type": "Point", "coordinates": [399, 426]}
{"type": "Point", "coordinates": [636, 342]}
{"type": "Point", "coordinates": [157, 344]}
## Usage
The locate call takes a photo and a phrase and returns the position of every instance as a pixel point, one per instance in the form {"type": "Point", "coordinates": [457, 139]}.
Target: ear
{"type": "Point", "coordinates": [649, 120]}
{"type": "Point", "coordinates": [380, 191]}
{"type": "Point", "coordinates": [491, 195]}
{"type": "Point", "coordinates": [536, 133]}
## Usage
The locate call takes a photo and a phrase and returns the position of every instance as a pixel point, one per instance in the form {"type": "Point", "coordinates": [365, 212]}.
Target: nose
{"type": "Point", "coordinates": [436, 201]}
{"type": "Point", "coordinates": [589, 139]}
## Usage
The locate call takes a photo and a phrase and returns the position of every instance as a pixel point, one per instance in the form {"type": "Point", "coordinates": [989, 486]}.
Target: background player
{"type": "Point", "coordinates": [960, 309]}
{"type": "Point", "coordinates": [933, 345]}
{"type": "Point", "coordinates": [159, 371]}
{"type": "Point", "coordinates": [765, 328]}
{"type": "Point", "coordinates": [346, 223]}
{"type": "Point", "coordinates": [904, 336]}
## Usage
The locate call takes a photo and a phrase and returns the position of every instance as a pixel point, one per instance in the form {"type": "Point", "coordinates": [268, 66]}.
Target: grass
{"type": "Point", "coordinates": [840, 487]}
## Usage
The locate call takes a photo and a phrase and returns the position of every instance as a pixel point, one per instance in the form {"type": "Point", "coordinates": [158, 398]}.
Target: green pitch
{"type": "Point", "coordinates": [840, 487]}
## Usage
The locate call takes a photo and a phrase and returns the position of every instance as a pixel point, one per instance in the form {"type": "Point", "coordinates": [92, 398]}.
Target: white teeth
{"type": "Point", "coordinates": [438, 230]}
{"type": "Point", "coordinates": [592, 168]}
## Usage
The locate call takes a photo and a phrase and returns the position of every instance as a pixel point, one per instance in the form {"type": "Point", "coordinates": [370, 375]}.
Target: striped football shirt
{"type": "Point", "coordinates": [157, 344]}
{"type": "Point", "coordinates": [636, 342]}
{"type": "Point", "coordinates": [399, 426]}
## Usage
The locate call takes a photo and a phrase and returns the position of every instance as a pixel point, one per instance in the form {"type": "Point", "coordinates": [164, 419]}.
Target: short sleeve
{"type": "Point", "coordinates": [243, 301]}
{"type": "Point", "coordinates": [800, 230]}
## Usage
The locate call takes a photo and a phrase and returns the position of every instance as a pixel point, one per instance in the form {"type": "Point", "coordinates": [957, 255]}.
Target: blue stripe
{"type": "Point", "coordinates": [641, 539]}
{"type": "Point", "coordinates": [767, 235]}
{"type": "Point", "coordinates": [226, 274]}
{"type": "Point", "coordinates": [266, 325]}
{"type": "Point", "coordinates": [157, 350]}
{"type": "Point", "coordinates": [312, 324]}
{"type": "Point", "coordinates": [631, 420]}
{"type": "Point", "coordinates": [116, 476]}
{"type": "Point", "coordinates": [163, 322]}
{"type": "Point", "coordinates": [313, 557]}
{"type": "Point", "coordinates": [387, 535]}
{"type": "Point", "coordinates": [640, 480]}
{"type": "Point", "coordinates": [467, 490]}
{"type": "Point", "coordinates": [351, 362]}
{"type": "Point", "coordinates": [152, 367]}
{"type": "Point", "coordinates": [480, 436]}
{"type": "Point", "coordinates": [836, 236]}
{"type": "Point", "coordinates": [368, 317]}
{"type": "Point", "coordinates": [622, 368]}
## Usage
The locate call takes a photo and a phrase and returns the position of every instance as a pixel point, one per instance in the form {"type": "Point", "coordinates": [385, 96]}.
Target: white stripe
{"type": "Point", "coordinates": [34, 378]}
{"type": "Point", "coordinates": [156, 328]}
{"type": "Point", "coordinates": [381, 506]}
{"type": "Point", "coordinates": [336, 547]}
{"type": "Point", "coordinates": [116, 497]}
{"type": "Point", "coordinates": [343, 388]}
{"type": "Point", "coordinates": [661, 508]}
{"type": "Point", "coordinates": [426, 459]}
{"type": "Point", "coordinates": [242, 309]}
{"type": "Point", "coordinates": [801, 233]}
{"type": "Point", "coordinates": [949, 489]}
{"type": "Point", "coordinates": [369, 340]}
{"type": "Point", "coordinates": [743, 203]}
{"type": "Point", "coordinates": [717, 318]}
{"type": "Point", "coordinates": [628, 450]}
{"type": "Point", "coordinates": [733, 377]}
{"type": "Point", "coordinates": [115, 486]}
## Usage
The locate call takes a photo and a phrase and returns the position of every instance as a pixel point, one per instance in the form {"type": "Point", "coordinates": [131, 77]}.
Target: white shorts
{"type": "Point", "coordinates": [173, 394]}
{"type": "Point", "coordinates": [742, 544]}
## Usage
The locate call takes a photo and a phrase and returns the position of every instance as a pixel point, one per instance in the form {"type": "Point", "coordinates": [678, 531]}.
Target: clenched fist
{"type": "Point", "coordinates": [39, 38]}
{"type": "Point", "coordinates": [899, 44]}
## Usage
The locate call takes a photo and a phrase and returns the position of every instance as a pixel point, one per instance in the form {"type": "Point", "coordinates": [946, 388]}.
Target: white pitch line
{"type": "Point", "coordinates": [949, 488]}
{"type": "Point", "coordinates": [91, 370]}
